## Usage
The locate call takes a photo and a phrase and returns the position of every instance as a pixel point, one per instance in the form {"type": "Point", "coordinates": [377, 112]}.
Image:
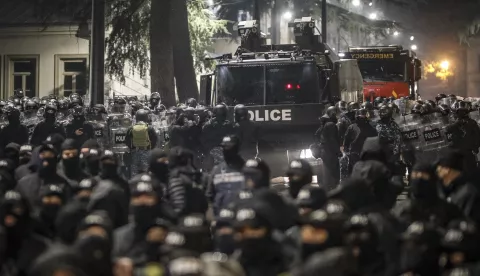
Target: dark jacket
{"type": "Point", "coordinates": [185, 193]}
{"type": "Point", "coordinates": [86, 129]}
{"type": "Point", "coordinates": [13, 134]}
{"type": "Point", "coordinates": [355, 136]}
{"type": "Point", "coordinates": [43, 130]}
{"type": "Point", "coordinates": [464, 195]}
{"type": "Point", "coordinates": [108, 197]}
{"type": "Point", "coordinates": [30, 167]}
{"type": "Point", "coordinates": [29, 187]}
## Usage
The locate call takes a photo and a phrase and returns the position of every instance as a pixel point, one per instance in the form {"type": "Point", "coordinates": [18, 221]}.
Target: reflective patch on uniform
{"type": "Point", "coordinates": [233, 177]}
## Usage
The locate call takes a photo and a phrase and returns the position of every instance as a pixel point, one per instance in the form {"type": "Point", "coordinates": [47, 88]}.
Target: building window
{"type": "Point", "coordinates": [22, 73]}
{"type": "Point", "coordinates": [71, 74]}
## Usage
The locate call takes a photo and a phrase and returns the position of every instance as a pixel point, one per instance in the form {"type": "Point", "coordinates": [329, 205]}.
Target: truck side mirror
{"type": "Point", "coordinates": [206, 89]}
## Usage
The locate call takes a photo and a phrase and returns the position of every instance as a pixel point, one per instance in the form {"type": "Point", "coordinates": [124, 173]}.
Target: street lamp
{"type": "Point", "coordinates": [412, 38]}
{"type": "Point", "coordinates": [396, 33]}
{"type": "Point", "coordinates": [288, 15]}
{"type": "Point", "coordinates": [356, 3]}
{"type": "Point", "coordinates": [445, 65]}
{"type": "Point", "coordinates": [370, 4]}
{"type": "Point", "coordinates": [373, 16]}
{"type": "Point", "coordinates": [414, 47]}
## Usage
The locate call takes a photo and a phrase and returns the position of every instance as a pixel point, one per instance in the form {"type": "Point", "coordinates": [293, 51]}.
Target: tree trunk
{"type": "Point", "coordinates": [161, 56]}
{"type": "Point", "coordinates": [185, 77]}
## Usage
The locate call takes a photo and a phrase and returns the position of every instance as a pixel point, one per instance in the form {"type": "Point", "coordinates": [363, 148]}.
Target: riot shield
{"type": "Point", "coordinates": [118, 125]}
{"type": "Point", "coordinates": [410, 138]}
{"type": "Point", "coordinates": [100, 128]}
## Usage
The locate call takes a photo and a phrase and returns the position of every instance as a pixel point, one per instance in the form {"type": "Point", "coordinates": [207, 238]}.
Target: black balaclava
{"type": "Point", "coordinates": [49, 212]}
{"type": "Point", "coordinates": [157, 168]}
{"type": "Point", "coordinates": [12, 152]}
{"type": "Point", "coordinates": [144, 215]}
{"type": "Point", "coordinates": [25, 154]}
{"type": "Point", "coordinates": [420, 250]}
{"type": "Point", "coordinates": [90, 160]}
{"type": "Point", "coordinates": [311, 197]}
{"type": "Point", "coordinates": [71, 166]}
{"type": "Point", "coordinates": [153, 248]}
{"type": "Point", "coordinates": [224, 243]}
{"type": "Point", "coordinates": [78, 115]}
{"type": "Point", "coordinates": [231, 147]}
{"type": "Point", "coordinates": [12, 204]}
{"type": "Point", "coordinates": [13, 116]}
{"type": "Point", "coordinates": [259, 249]}
{"type": "Point", "coordinates": [330, 221]}
{"type": "Point", "coordinates": [361, 236]}
{"type": "Point", "coordinates": [196, 231]}
{"type": "Point", "coordinates": [257, 174]}
{"type": "Point", "coordinates": [300, 174]}
{"type": "Point", "coordinates": [48, 166]}
{"type": "Point", "coordinates": [108, 170]}
{"type": "Point", "coordinates": [50, 114]}
{"type": "Point", "coordinates": [95, 249]}
{"type": "Point", "coordinates": [421, 189]}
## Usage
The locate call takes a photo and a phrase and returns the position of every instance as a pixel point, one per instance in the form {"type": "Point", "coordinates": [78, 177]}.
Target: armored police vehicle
{"type": "Point", "coordinates": [284, 88]}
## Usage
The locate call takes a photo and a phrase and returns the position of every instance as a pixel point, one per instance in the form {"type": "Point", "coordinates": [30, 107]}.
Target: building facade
{"type": "Point", "coordinates": [52, 60]}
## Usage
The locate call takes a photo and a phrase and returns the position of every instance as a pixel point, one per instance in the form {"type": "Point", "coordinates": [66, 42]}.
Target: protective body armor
{"type": "Point", "coordinates": [100, 130]}
{"type": "Point", "coordinates": [118, 125]}
{"type": "Point", "coordinates": [140, 137]}
{"type": "Point", "coordinates": [30, 120]}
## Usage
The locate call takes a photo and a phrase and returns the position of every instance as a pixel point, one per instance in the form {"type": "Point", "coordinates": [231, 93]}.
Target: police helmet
{"type": "Point", "coordinates": [444, 109]}
{"type": "Point", "coordinates": [18, 93]}
{"type": "Point", "coordinates": [220, 111]}
{"type": "Point", "coordinates": [160, 108]}
{"type": "Point", "coordinates": [99, 109]}
{"type": "Point", "coordinates": [385, 111]}
{"type": "Point", "coordinates": [418, 109]}
{"type": "Point", "coordinates": [12, 112]}
{"type": "Point", "coordinates": [352, 106]}
{"type": "Point", "coordinates": [331, 111]}
{"type": "Point", "coordinates": [394, 107]}
{"type": "Point", "coordinates": [63, 104]}
{"type": "Point", "coordinates": [241, 112]}
{"type": "Point", "coordinates": [18, 104]}
{"type": "Point", "coordinates": [461, 108]}
{"type": "Point", "coordinates": [192, 102]}
{"type": "Point", "coordinates": [30, 105]}
{"type": "Point", "coordinates": [50, 109]}
{"type": "Point", "coordinates": [142, 115]}
{"type": "Point", "coordinates": [155, 95]}
{"type": "Point", "coordinates": [439, 97]}
{"type": "Point", "coordinates": [433, 104]}
{"type": "Point", "coordinates": [341, 106]}
{"type": "Point", "coordinates": [75, 101]}
{"type": "Point", "coordinates": [452, 96]}
{"type": "Point", "coordinates": [74, 96]}
{"type": "Point", "coordinates": [78, 111]}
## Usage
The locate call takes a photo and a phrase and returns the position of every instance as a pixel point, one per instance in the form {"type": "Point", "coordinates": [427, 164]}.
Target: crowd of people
{"type": "Point", "coordinates": [65, 209]}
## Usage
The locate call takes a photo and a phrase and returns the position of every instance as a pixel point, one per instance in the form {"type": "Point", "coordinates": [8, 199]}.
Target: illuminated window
{"type": "Point", "coordinates": [71, 74]}
{"type": "Point", "coordinates": [22, 73]}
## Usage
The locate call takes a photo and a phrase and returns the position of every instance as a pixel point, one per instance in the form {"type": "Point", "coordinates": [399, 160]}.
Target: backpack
{"type": "Point", "coordinates": [140, 135]}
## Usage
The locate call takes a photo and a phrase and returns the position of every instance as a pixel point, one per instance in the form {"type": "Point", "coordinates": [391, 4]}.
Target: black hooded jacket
{"type": "Point", "coordinates": [30, 167]}
{"type": "Point", "coordinates": [13, 134]}
{"type": "Point", "coordinates": [29, 187]}
{"type": "Point", "coordinates": [108, 197]}
{"type": "Point", "coordinates": [45, 129]}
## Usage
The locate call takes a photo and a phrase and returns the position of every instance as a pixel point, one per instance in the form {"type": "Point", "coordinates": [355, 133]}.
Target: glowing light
{"type": "Point", "coordinates": [414, 47]}
{"type": "Point", "coordinates": [289, 86]}
{"type": "Point", "coordinates": [341, 54]}
{"type": "Point", "coordinates": [445, 65]}
{"type": "Point", "coordinates": [288, 15]}
{"type": "Point", "coordinates": [396, 33]}
{"type": "Point", "coordinates": [412, 38]}
{"type": "Point", "coordinates": [373, 16]}
{"type": "Point", "coordinates": [370, 4]}
{"type": "Point", "coordinates": [356, 3]}
{"type": "Point", "coordinates": [298, 86]}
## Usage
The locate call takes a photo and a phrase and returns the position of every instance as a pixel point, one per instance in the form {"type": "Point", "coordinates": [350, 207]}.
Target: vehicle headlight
{"type": "Point", "coordinates": [306, 154]}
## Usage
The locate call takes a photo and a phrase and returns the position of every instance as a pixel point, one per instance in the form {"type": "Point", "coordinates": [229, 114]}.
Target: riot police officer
{"type": "Point", "coordinates": [30, 118]}
{"type": "Point", "coordinates": [15, 131]}
{"type": "Point", "coordinates": [344, 121]}
{"type": "Point", "coordinates": [328, 141]}
{"type": "Point", "coordinates": [247, 131]}
{"type": "Point", "coordinates": [154, 100]}
{"type": "Point", "coordinates": [465, 136]}
{"type": "Point", "coordinates": [213, 132]}
{"type": "Point", "coordinates": [192, 103]}
{"type": "Point", "coordinates": [355, 137]}
{"type": "Point", "coordinates": [98, 118]}
{"type": "Point", "coordinates": [78, 129]}
{"type": "Point", "coordinates": [389, 133]}
{"type": "Point", "coordinates": [48, 127]}
{"type": "Point", "coordinates": [140, 138]}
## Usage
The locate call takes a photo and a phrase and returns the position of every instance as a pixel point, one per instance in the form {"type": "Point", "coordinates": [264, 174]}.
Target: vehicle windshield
{"type": "Point", "coordinates": [275, 83]}
{"type": "Point", "coordinates": [382, 70]}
